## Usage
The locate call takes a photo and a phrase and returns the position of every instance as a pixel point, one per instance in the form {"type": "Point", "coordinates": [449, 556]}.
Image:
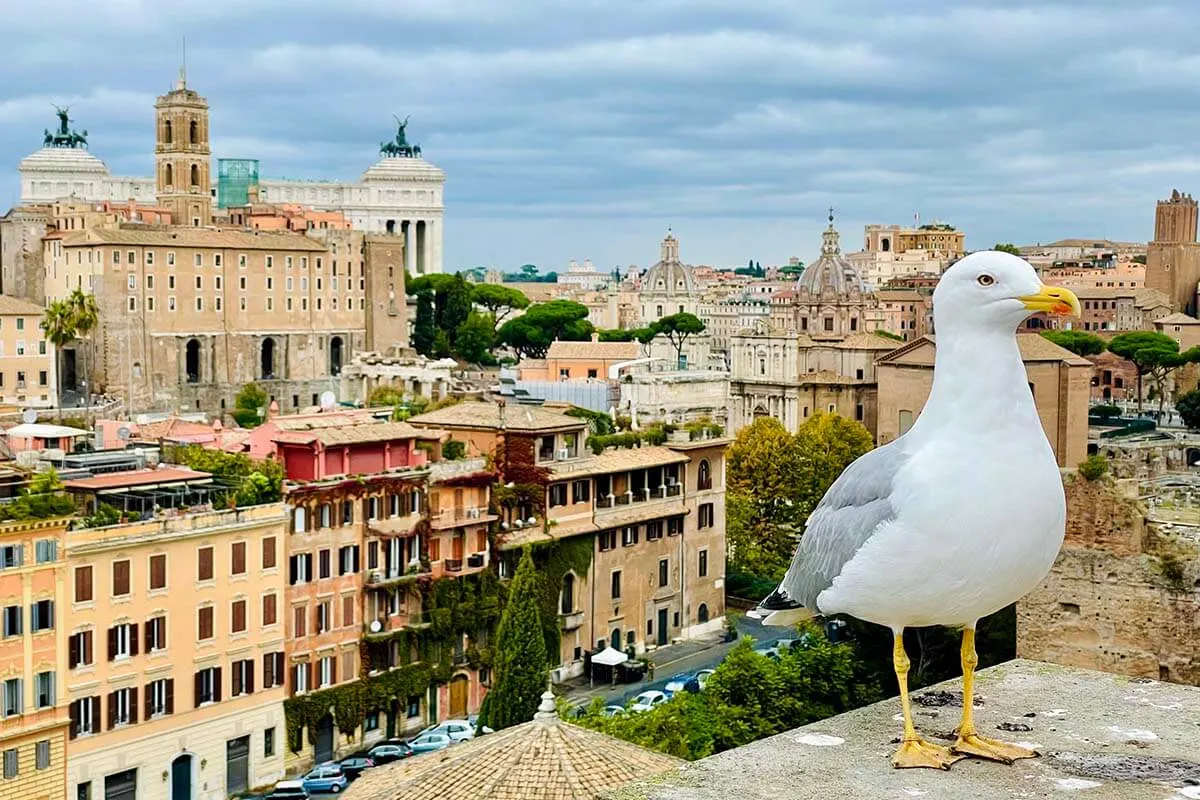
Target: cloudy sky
{"type": "Point", "coordinates": [580, 128]}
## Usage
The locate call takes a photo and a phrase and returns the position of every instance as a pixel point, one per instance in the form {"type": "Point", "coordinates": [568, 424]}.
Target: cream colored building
{"type": "Point", "coordinates": [27, 371]}
{"type": "Point", "coordinates": [893, 251]}
{"type": "Point", "coordinates": [668, 287]}
{"type": "Point", "coordinates": [1059, 379]}
{"type": "Point", "coordinates": [175, 647]}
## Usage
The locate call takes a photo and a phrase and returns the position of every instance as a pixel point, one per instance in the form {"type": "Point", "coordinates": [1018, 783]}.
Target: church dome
{"type": "Point", "coordinates": [832, 272]}
{"type": "Point", "coordinates": [669, 276]}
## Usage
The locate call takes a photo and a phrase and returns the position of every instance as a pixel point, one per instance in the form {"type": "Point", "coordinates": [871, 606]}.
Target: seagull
{"type": "Point", "coordinates": [958, 517]}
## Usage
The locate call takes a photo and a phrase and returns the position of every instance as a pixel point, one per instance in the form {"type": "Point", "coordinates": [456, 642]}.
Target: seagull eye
{"type": "Point", "coordinates": [985, 280]}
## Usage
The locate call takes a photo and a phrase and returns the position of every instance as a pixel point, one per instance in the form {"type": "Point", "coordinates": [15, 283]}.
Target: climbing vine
{"type": "Point", "coordinates": [554, 560]}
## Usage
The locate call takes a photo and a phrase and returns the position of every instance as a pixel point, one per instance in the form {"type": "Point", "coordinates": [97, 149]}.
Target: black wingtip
{"type": "Point", "coordinates": [778, 600]}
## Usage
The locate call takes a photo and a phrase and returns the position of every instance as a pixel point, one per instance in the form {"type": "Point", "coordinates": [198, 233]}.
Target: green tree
{"type": "Point", "coordinates": [678, 328]}
{"type": "Point", "coordinates": [1007, 247]}
{"type": "Point", "coordinates": [474, 339]}
{"type": "Point", "coordinates": [1094, 467]}
{"type": "Point", "coordinates": [253, 481]}
{"type": "Point", "coordinates": [1154, 355]}
{"type": "Point", "coordinates": [43, 498]}
{"type": "Point", "coordinates": [520, 661]}
{"type": "Point", "coordinates": [1188, 406]}
{"type": "Point", "coordinates": [456, 307]}
{"type": "Point", "coordinates": [498, 299]}
{"type": "Point", "coordinates": [246, 405]}
{"type": "Point", "coordinates": [71, 319]}
{"type": "Point", "coordinates": [58, 323]}
{"type": "Point", "coordinates": [643, 335]}
{"type": "Point", "coordinates": [424, 327]}
{"type": "Point", "coordinates": [441, 344]}
{"type": "Point", "coordinates": [531, 334]}
{"type": "Point", "coordinates": [1104, 411]}
{"type": "Point", "coordinates": [1081, 343]}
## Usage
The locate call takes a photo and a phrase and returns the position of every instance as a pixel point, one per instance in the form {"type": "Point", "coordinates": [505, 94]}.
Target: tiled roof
{"type": "Point", "coordinates": [328, 419]}
{"type": "Point", "coordinates": [173, 427]}
{"type": "Point", "coordinates": [194, 237]}
{"type": "Point", "coordinates": [617, 459]}
{"type": "Point", "coordinates": [600, 351]}
{"type": "Point", "coordinates": [1178, 318]}
{"type": "Point", "coordinates": [868, 341]}
{"type": "Point", "coordinates": [1035, 347]}
{"type": "Point", "coordinates": [350, 433]}
{"type": "Point", "coordinates": [486, 416]}
{"type": "Point", "coordinates": [15, 305]}
{"type": "Point", "coordinates": [137, 478]}
{"type": "Point", "coordinates": [544, 759]}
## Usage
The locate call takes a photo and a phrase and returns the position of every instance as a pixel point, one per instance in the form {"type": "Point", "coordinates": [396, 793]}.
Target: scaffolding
{"type": "Point", "coordinates": [235, 177]}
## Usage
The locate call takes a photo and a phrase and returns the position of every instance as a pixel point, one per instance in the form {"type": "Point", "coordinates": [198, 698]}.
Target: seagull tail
{"type": "Point", "coordinates": [779, 610]}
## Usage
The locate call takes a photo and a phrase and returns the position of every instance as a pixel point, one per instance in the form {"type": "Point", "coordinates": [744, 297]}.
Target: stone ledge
{"type": "Point", "coordinates": [1103, 737]}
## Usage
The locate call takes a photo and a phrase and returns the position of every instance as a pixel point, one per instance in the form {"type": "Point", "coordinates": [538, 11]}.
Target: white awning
{"type": "Point", "coordinates": [609, 657]}
{"type": "Point", "coordinates": [39, 430]}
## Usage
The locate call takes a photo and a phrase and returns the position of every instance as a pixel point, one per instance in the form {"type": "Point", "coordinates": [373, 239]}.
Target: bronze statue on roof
{"type": "Point", "coordinates": [399, 147]}
{"type": "Point", "coordinates": [64, 136]}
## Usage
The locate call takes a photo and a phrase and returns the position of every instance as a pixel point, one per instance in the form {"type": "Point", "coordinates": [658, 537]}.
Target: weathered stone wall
{"type": "Point", "coordinates": [1120, 597]}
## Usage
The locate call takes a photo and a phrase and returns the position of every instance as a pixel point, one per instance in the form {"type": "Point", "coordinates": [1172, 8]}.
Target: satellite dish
{"type": "Point", "coordinates": [123, 433]}
{"type": "Point", "coordinates": [376, 626]}
{"type": "Point", "coordinates": [29, 417]}
{"type": "Point", "coordinates": [328, 399]}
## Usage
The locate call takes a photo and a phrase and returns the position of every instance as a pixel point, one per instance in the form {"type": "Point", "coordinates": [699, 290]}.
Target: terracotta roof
{"type": "Point", "coordinates": [1178, 318]}
{"type": "Point", "coordinates": [1148, 298]}
{"type": "Point", "coordinates": [486, 416]}
{"type": "Point", "coordinates": [606, 351]}
{"type": "Point", "coordinates": [173, 427]}
{"type": "Point", "coordinates": [137, 478]}
{"type": "Point", "coordinates": [544, 759]}
{"type": "Point", "coordinates": [194, 237]}
{"type": "Point", "coordinates": [868, 341]}
{"type": "Point", "coordinates": [328, 419]}
{"type": "Point", "coordinates": [898, 295]}
{"type": "Point", "coordinates": [617, 459]}
{"type": "Point", "coordinates": [351, 433]}
{"type": "Point", "coordinates": [15, 305]}
{"type": "Point", "coordinates": [1033, 347]}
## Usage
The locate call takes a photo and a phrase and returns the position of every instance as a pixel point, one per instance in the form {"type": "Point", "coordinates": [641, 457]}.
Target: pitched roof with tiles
{"type": "Point", "coordinates": [193, 237]}
{"type": "Point", "coordinates": [1033, 347]}
{"type": "Point", "coordinates": [15, 305]}
{"type": "Point", "coordinates": [1178, 318]}
{"type": "Point", "coordinates": [544, 759]}
{"type": "Point", "coordinates": [868, 341]}
{"type": "Point", "coordinates": [487, 416]}
{"type": "Point", "coordinates": [354, 433]}
{"type": "Point", "coordinates": [618, 459]}
{"type": "Point", "coordinates": [599, 351]}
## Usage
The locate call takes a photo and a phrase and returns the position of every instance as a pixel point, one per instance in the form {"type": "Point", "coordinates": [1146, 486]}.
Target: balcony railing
{"type": "Point", "coordinates": [641, 494]}
{"type": "Point", "coordinates": [448, 517]}
{"type": "Point", "coordinates": [571, 621]}
{"type": "Point", "coordinates": [452, 564]}
{"type": "Point", "coordinates": [475, 560]}
{"type": "Point", "coordinates": [604, 501]}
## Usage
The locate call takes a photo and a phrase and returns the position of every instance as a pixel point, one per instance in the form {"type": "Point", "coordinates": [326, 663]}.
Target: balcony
{"type": "Point", "coordinates": [379, 579]}
{"type": "Point", "coordinates": [452, 564]}
{"type": "Point", "coordinates": [476, 560]}
{"type": "Point", "coordinates": [571, 621]}
{"type": "Point", "coordinates": [404, 525]}
{"type": "Point", "coordinates": [642, 504]}
{"type": "Point", "coordinates": [458, 517]}
{"type": "Point", "coordinates": [397, 622]}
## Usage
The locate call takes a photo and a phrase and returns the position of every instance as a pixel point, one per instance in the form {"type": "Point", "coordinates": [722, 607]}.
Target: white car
{"type": "Point", "coordinates": [613, 711]}
{"type": "Point", "coordinates": [457, 730]}
{"type": "Point", "coordinates": [702, 677]}
{"type": "Point", "coordinates": [676, 684]}
{"type": "Point", "coordinates": [648, 700]}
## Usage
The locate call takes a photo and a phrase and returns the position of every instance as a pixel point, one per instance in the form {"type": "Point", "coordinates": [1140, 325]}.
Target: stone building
{"type": "Point", "coordinates": [175, 648]}
{"type": "Point", "coordinates": [1173, 257]}
{"type": "Point", "coordinates": [33, 660]}
{"type": "Point", "coordinates": [893, 251]}
{"type": "Point", "coordinates": [830, 297]}
{"type": "Point", "coordinates": [188, 316]}
{"type": "Point", "coordinates": [640, 532]}
{"type": "Point", "coordinates": [668, 287]}
{"type": "Point", "coordinates": [1058, 378]}
{"type": "Point", "coordinates": [182, 156]}
{"type": "Point", "coordinates": [28, 378]}
{"type": "Point", "coordinates": [1112, 309]}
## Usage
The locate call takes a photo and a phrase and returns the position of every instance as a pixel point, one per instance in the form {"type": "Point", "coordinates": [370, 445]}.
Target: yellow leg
{"type": "Point", "coordinates": [914, 751]}
{"type": "Point", "coordinates": [969, 742]}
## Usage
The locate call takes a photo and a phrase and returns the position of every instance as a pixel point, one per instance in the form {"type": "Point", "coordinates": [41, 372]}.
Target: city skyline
{"type": "Point", "coordinates": [1015, 122]}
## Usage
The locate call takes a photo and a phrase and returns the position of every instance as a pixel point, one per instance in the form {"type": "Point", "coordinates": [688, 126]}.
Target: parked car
{"type": "Point", "coordinates": [429, 743]}
{"type": "Point", "coordinates": [389, 752]}
{"type": "Point", "coordinates": [289, 790]}
{"type": "Point", "coordinates": [773, 648]}
{"type": "Point", "coordinates": [459, 730]}
{"type": "Point", "coordinates": [474, 720]}
{"type": "Point", "coordinates": [327, 778]}
{"type": "Point", "coordinates": [702, 677]}
{"type": "Point", "coordinates": [614, 711]}
{"type": "Point", "coordinates": [677, 683]}
{"type": "Point", "coordinates": [648, 700]}
{"type": "Point", "coordinates": [353, 766]}
{"type": "Point", "coordinates": [695, 683]}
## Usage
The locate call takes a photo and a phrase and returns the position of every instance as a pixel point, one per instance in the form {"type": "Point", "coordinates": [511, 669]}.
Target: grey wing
{"type": "Point", "coordinates": [855, 505]}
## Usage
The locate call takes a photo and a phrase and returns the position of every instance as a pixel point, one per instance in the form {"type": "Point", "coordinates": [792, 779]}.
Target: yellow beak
{"type": "Point", "coordinates": [1053, 300]}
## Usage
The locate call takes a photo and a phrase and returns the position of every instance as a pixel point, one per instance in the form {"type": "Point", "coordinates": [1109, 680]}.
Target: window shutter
{"type": "Point", "coordinates": [20, 555]}
{"type": "Point", "coordinates": [216, 684]}
{"type": "Point", "coordinates": [95, 727]}
{"type": "Point", "coordinates": [197, 689]}
{"type": "Point", "coordinates": [332, 670]}
{"type": "Point", "coordinates": [355, 552]}
{"type": "Point", "coordinates": [133, 639]}
{"type": "Point", "coordinates": [268, 672]}
{"type": "Point", "coordinates": [133, 705]}
{"type": "Point", "coordinates": [310, 668]}
{"type": "Point", "coordinates": [49, 621]}
{"type": "Point", "coordinates": [85, 647]}
{"type": "Point", "coordinates": [170, 695]}
{"type": "Point", "coordinates": [73, 653]}
{"type": "Point", "coordinates": [292, 570]}
{"type": "Point", "coordinates": [148, 699]}
{"type": "Point", "coordinates": [278, 671]}
{"type": "Point", "coordinates": [308, 570]}
{"type": "Point", "coordinates": [148, 634]}
{"type": "Point", "coordinates": [112, 710]}
{"type": "Point", "coordinates": [112, 643]}
{"type": "Point", "coordinates": [236, 680]}
{"type": "Point", "coordinates": [249, 676]}
{"type": "Point", "coordinates": [75, 718]}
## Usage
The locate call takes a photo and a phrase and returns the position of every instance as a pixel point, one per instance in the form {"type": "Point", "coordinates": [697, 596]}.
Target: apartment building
{"type": "Point", "coordinates": [175, 652]}
{"type": "Point", "coordinates": [33, 714]}
{"type": "Point", "coordinates": [27, 375]}
{"type": "Point", "coordinates": [646, 526]}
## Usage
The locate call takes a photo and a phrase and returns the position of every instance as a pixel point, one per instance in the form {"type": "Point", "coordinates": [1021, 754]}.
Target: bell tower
{"type": "Point", "coordinates": [183, 179]}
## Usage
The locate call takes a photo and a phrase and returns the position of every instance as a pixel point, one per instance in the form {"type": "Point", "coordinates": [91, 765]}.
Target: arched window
{"type": "Point", "coordinates": [886, 245]}
{"type": "Point", "coordinates": [268, 359]}
{"type": "Point", "coordinates": [335, 355]}
{"type": "Point", "coordinates": [169, 175]}
{"type": "Point", "coordinates": [704, 475]}
{"type": "Point", "coordinates": [192, 361]}
{"type": "Point", "coordinates": [193, 132]}
{"type": "Point", "coordinates": [568, 593]}
{"type": "Point", "coordinates": [168, 134]}
{"type": "Point", "coordinates": [299, 519]}
{"type": "Point", "coordinates": [616, 638]}
{"type": "Point", "coordinates": [195, 173]}
{"type": "Point", "coordinates": [390, 226]}
{"type": "Point", "coordinates": [702, 613]}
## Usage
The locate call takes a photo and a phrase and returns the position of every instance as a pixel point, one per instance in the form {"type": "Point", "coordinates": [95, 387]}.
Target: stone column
{"type": "Point", "coordinates": [419, 246]}
{"type": "Point", "coordinates": [410, 246]}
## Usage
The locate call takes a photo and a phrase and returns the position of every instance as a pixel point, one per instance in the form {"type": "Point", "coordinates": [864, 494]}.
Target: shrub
{"type": "Point", "coordinates": [453, 450]}
{"type": "Point", "coordinates": [1094, 468]}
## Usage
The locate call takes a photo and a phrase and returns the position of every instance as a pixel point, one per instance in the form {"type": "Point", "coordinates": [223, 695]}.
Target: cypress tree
{"type": "Point", "coordinates": [424, 330]}
{"type": "Point", "coordinates": [521, 661]}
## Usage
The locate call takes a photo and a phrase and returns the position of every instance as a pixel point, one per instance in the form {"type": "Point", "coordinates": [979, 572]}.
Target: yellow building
{"type": "Point", "coordinates": [33, 709]}
{"type": "Point", "coordinates": [27, 376]}
{"type": "Point", "coordinates": [175, 670]}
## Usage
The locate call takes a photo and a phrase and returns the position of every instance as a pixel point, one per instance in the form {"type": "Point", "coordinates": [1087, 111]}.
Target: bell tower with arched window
{"type": "Point", "coordinates": [182, 175]}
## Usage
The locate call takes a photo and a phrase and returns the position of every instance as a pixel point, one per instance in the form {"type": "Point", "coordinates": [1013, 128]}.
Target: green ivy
{"type": "Point", "coordinates": [554, 560]}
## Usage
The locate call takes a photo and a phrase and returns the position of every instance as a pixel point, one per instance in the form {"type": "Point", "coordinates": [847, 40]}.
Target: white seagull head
{"type": "Point", "coordinates": [995, 291]}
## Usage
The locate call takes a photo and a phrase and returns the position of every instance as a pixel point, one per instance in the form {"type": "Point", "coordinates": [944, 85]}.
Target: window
{"type": "Point", "coordinates": [156, 634]}
{"type": "Point", "coordinates": [268, 552]}
{"type": "Point", "coordinates": [348, 603]}
{"type": "Point", "coordinates": [704, 475]}
{"type": "Point", "coordinates": [204, 564]}
{"type": "Point", "coordinates": [199, 303]}
{"type": "Point", "coordinates": [703, 563]}
{"type": "Point", "coordinates": [120, 578]}
{"type": "Point", "coordinates": [324, 616]}
{"type": "Point", "coordinates": [327, 672]}
{"type": "Point", "coordinates": [608, 540]}
{"type": "Point", "coordinates": [347, 512]}
{"type": "Point", "coordinates": [21, 347]}
{"type": "Point", "coordinates": [664, 572]}
{"type": "Point", "coordinates": [44, 690]}
{"type": "Point", "coordinates": [207, 686]}
{"type": "Point", "coordinates": [348, 559]}
{"type": "Point", "coordinates": [414, 706]}
{"type": "Point", "coordinates": [629, 536]}
{"type": "Point", "coordinates": [160, 697]}
{"type": "Point", "coordinates": [204, 623]}
{"type": "Point", "coordinates": [237, 614]}
{"type": "Point", "coordinates": [654, 530]}
{"type": "Point", "coordinates": [13, 616]}
{"type": "Point", "coordinates": [217, 263]}
{"type": "Point", "coordinates": [268, 609]}
{"type": "Point", "coordinates": [300, 678]}
{"type": "Point", "coordinates": [242, 678]}
{"type": "Point", "coordinates": [11, 763]}
{"type": "Point", "coordinates": [272, 670]}
{"type": "Point", "coordinates": [41, 616]}
{"type": "Point", "coordinates": [270, 283]}
{"type": "Point", "coordinates": [581, 491]}
{"type": "Point", "coordinates": [131, 282]}
{"type": "Point", "coordinates": [299, 621]}
{"type": "Point", "coordinates": [323, 564]}
{"type": "Point", "coordinates": [706, 515]}
{"type": "Point", "coordinates": [14, 697]}
{"type": "Point", "coordinates": [237, 556]}
{"type": "Point", "coordinates": [79, 650]}
{"type": "Point", "coordinates": [616, 584]}
{"type": "Point", "coordinates": [85, 716]}
{"type": "Point", "coordinates": [674, 526]}
{"type": "Point", "coordinates": [558, 494]}
{"type": "Point", "coordinates": [171, 303]}
{"type": "Point", "coordinates": [198, 259]}
{"type": "Point", "coordinates": [371, 722]}
{"type": "Point", "coordinates": [122, 707]}
{"type": "Point", "coordinates": [42, 754]}
{"type": "Point", "coordinates": [299, 568]}
{"type": "Point", "coordinates": [269, 742]}
{"type": "Point", "coordinates": [242, 261]}
{"type": "Point", "coordinates": [158, 571]}
{"type": "Point", "coordinates": [12, 555]}
{"type": "Point", "coordinates": [122, 641]}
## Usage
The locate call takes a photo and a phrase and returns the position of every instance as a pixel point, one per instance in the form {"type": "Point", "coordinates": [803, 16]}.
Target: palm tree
{"type": "Point", "coordinates": [58, 322]}
{"type": "Point", "coordinates": [86, 316]}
